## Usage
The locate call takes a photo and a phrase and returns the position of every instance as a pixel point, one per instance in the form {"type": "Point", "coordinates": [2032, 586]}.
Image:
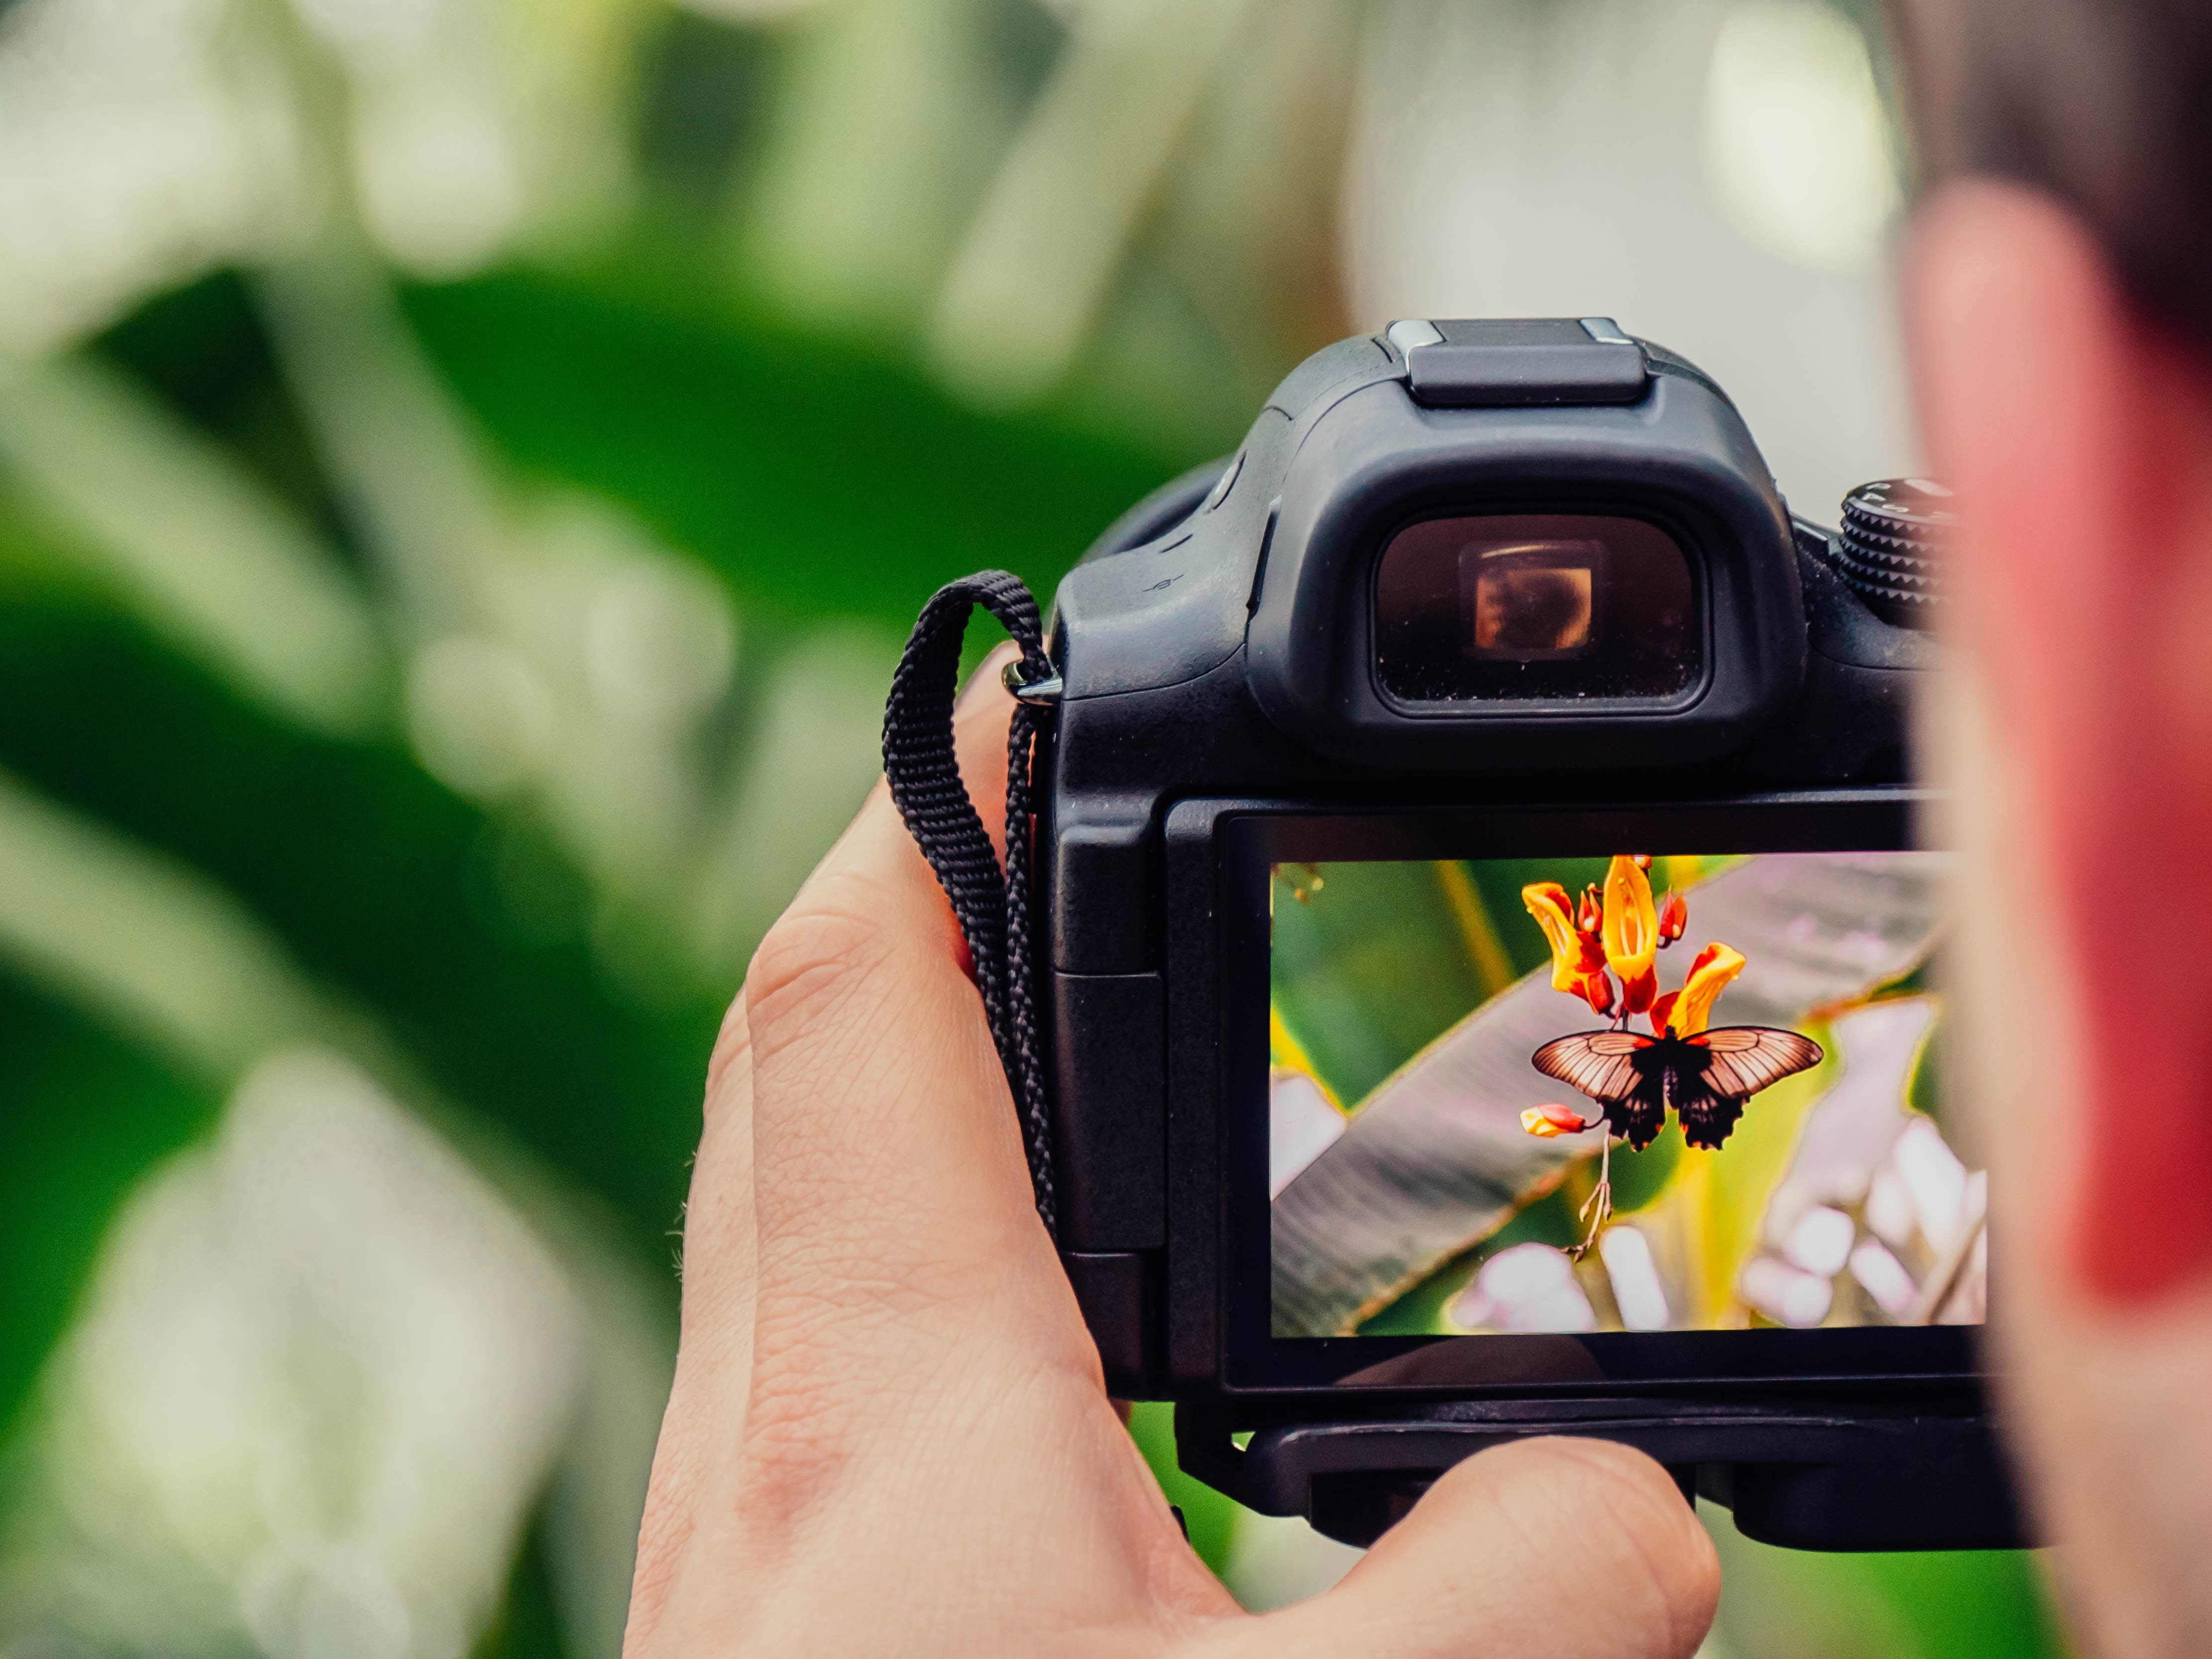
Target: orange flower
{"type": "Point", "coordinates": [1638, 995]}
{"type": "Point", "coordinates": [1578, 957]}
{"type": "Point", "coordinates": [1597, 991]}
{"type": "Point", "coordinates": [1631, 924]}
{"type": "Point", "coordinates": [1674, 917]}
{"type": "Point", "coordinates": [1549, 1122]}
{"type": "Point", "coordinates": [1690, 1010]}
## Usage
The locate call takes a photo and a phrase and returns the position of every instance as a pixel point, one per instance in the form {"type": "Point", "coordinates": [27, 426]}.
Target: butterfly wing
{"type": "Point", "coordinates": [1706, 1114]}
{"type": "Point", "coordinates": [1741, 1060]}
{"type": "Point", "coordinates": [1749, 1058]}
{"type": "Point", "coordinates": [1604, 1065]}
{"type": "Point", "coordinates": [1601, 1064]}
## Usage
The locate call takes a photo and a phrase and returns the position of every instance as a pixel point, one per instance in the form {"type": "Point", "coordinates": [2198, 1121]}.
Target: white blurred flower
{"type": "Point", "coordinates": [322, 1374]}
{"type": "Point", "coordinates": [1885, 1278]}
{"type": "Point", "coordinates": [440, 183]}
{"type": "Point", "coordinates": [660, 643]}
{"type": "Point", "coordinates": [1795, 138]}
{"type": "Point", "coordinates": [1637, 1290]}
{"type": "Point", "coordinates": [1889, 1212]}
{"type": "Point", "coordinates": [1846, 1143]}
{"type": "Point", "coordinates": [481, 718]}
{"type": "Point", "coordinates": [1936, 1180]}
{"type": "Point", "coordinates": [1787, 1295]}
{"type": "Point", "coordinates": [1821, 1240]}
{"type": "Point", "coordinates": [1525, 1288]}
{"type": "Point", "coordinates": [141, 141]}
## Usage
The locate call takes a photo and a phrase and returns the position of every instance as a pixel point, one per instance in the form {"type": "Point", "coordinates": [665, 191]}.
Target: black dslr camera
{"type": "Point", "coordinates": [1481, 983]}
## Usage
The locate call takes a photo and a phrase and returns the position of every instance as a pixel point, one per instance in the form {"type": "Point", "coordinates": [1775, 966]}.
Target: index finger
{"type": "Point", "coordinates": [888, 1156]}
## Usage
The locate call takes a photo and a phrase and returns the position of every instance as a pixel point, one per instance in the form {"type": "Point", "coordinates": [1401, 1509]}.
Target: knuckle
{"type": "Point", "coordinates": [796, 1457]}
{"type": "Point", "coordinates": [812, 962]}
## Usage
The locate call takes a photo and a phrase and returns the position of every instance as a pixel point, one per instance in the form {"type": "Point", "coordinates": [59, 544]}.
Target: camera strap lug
{"type": "Point", "coordinates": [1040, 693]}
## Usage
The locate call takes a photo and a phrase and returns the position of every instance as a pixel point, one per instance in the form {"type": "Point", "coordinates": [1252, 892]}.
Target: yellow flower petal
{"type": "Point", "coordinates": [1716, 965]}
{"type": "Point", "coordinates": [1554, 912]}
{"type": "Point", "coordinates": [1631, 921]}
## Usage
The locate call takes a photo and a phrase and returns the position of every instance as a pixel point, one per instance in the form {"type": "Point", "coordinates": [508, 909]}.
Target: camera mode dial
{"type": "Point", "coordinates": [1891, 549]}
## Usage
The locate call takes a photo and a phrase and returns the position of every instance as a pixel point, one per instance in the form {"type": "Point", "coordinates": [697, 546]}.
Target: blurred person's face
{"type": "Point", "coordinates": [2080, 731]}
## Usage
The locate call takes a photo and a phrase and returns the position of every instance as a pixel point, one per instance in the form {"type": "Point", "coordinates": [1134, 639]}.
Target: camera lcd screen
{"type": "Point", "coordinates": [1581, 1095]}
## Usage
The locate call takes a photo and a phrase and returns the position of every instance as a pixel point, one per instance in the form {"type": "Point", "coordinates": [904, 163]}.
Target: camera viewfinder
{"type": "Point", "coordinates": [1535, 607]}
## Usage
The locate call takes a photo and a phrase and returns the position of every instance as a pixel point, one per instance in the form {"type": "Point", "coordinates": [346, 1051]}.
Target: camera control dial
{"type": "Point", "coordinates": [1891, 549]}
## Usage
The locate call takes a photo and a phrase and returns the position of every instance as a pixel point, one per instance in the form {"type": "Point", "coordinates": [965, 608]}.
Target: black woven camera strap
{"type": "Point", "coordinates": [924, 773]}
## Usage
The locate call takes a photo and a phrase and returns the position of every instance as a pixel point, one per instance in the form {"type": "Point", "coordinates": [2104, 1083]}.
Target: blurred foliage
{"type": "Point", "coordinates": [1784, 1604]}
{"type": "Point", "coordinates": [817, 481]}
{"type": "Point", "coordinates": [1399, 954]}
{"type": "Point", "coordinates": [87, 1114]}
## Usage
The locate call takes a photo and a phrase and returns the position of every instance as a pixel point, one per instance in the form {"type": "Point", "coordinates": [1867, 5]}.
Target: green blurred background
{"type": "Point", "coordinates": [465, 469]}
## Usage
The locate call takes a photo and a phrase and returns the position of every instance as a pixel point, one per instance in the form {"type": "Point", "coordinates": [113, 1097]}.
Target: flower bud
{"type": "Point", "coordinates": [1597, 990]}
{"type": "Point", "coordinates": [1549, 1122]}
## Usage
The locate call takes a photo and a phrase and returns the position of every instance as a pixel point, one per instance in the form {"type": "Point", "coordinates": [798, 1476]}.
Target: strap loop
{"type": "Point", "coordinates": [924, 774]}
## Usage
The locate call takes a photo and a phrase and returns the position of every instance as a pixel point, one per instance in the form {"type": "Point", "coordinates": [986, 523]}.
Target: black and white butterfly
{"type": "Point", "coordinates": [1706, 1079]}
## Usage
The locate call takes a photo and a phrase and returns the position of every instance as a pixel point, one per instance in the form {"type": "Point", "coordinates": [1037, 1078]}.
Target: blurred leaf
{"type": "Point", "coordinates": [818, 480]}
{"type": "Point", "coordinates": [528, 1625]}
{"type": "Point", "coordinates": [1793, 1604]}
{"type": "Point", "coordinates": [1368, 968]}
{"type": "Point", "coordinates": [704, 87]}
{"type": "Point", "coordinates": [202, 347]}
{"type": "Point", "coordinates": [193, 542]}
{"type": "Point", "coordinates": [86, 1115]}
{"type": "Point", "coordinates": [372, 874]}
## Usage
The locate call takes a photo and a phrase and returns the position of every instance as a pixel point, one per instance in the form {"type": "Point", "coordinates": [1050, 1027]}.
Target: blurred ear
{"type": "Point", "coordinates": [2079, 440]}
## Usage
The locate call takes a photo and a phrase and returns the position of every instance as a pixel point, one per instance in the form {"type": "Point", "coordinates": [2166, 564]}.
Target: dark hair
{"type": "Point", "coordinates": [2106, 104]}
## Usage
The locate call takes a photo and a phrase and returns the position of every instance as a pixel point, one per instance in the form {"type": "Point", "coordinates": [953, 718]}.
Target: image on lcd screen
{"type": "Point", "coordinates": [1688, 1092]}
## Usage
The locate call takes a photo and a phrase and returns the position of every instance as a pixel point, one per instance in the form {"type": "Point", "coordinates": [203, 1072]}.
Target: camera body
{"type": "Point", "coordinates": [1466, 591]}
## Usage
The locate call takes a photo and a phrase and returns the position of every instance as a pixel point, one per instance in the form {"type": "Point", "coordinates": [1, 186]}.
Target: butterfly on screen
{"type": "Point", "coordinates": [1706, 1080]}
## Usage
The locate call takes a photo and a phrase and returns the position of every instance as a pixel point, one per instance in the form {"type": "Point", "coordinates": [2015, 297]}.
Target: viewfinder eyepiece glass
{"type": "Point", "coordinates": [1535, 607]}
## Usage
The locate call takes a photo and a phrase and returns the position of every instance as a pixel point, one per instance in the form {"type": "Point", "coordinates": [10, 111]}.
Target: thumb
{"type": "Point", "coordinates": [1550, 1549]}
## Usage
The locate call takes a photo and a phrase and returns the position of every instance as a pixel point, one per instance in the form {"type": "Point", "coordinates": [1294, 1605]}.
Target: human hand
{"type": "Point", "coordinates": [889, 1427]}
